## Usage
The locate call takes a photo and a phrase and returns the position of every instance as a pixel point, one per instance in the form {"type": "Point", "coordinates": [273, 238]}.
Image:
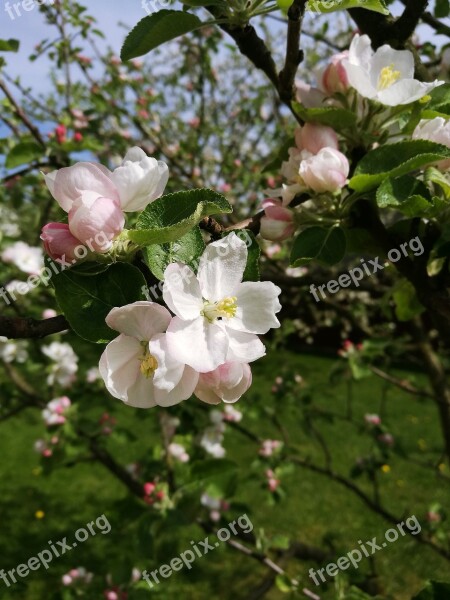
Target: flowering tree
{"type": "Point", "coordinates": [169, 286]}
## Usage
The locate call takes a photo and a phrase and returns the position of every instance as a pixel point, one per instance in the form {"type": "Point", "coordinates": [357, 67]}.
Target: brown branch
{"type": "Point", "coordinates": [294, 55]}
{"type": "Point", "coordinates": [28, 328]}
{"type": "Point", "coordinates": [401, 383]}
{"type": "Point", "coordinates": [22, 116]}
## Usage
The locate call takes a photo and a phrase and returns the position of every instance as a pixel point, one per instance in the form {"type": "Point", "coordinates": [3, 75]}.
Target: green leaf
{"type": "Point", "coordinates": [186, 250]}
{"type": "Point", "coordinates": [407, 305]}
{"type": "Point", "coordinates": [24, 152]}
{"type": "Point", "coordinates": [156, 29]}
{"type": "Point", "coordinates": [85, 301]}
{"type": "Point", "coordinates": [435, 176]}
{"type": "Point", "coordinates": [251, 272]}
{"type": "Point", "coordinates": [439, 104]}
{"type": "Point", "coordinates": [393, 160]}
{"type": "Point", "coordinates": [327, 6]}
{"type": "Point", "coordinates": [283, 583]}
{"type": "Point", "coordinates": [10, 45]}
{"type": "Point", "coordinates": [434, 590]}
{"type": "Point", "coordinates": [325, 245]}
{"type": "Point", "coordinates": [170, 217]}
{"type": "Point", "coordinates": [441, 9]}
{"type": "Point", "coordinates": [406, 193]}
{"type": "Point", "coordinates": [338, 118]}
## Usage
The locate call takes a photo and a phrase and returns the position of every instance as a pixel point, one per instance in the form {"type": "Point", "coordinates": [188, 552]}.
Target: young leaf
{"type": "Point", "coordinates": [338, 118]}
{"type": "Point", "coordinates": [394, 160]}
{"type": "Point", "coordinates": [10, 45]}
{"type": "Point", "coordinates": [405, 193]}
{"type": "Point", "coordinates": [187, 250]}
{"type": "Point", "coordinates": [24, 152]}
{"type": "Point", "coordinates": [85, 301]}
{"type": "Point", "coordinates": [325, 245]}
{"type": "Point", "coordinates": [327, 6]}
{"type": "Point", "coordinates": [156, 29]}
{"type": "Point", "coordinates": [439, 105]}
{"type": "Point", "coordinates": [170, 217]}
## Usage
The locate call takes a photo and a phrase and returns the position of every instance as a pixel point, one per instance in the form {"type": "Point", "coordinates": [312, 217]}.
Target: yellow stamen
{"type": "Point", "coordinates": [149, 364]}
{"type": "Point", "coordinates": [388, 77]}
{"type": "Point", "coordinates": [226, 308]}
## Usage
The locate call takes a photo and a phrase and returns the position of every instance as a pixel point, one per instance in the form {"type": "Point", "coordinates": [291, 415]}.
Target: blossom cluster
{"type": "Point", "coordinates": [204, 347]}
{"type": "Point", "coordinates": [370, 84]}
{"type": "Point", "coordinates": [96, 200]}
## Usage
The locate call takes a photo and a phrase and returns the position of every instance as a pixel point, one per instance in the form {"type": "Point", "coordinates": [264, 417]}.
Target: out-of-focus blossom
{"type": "Point", "coordinates": [227, 383]}
{"type": "Point", "coordinates": [178, 452]}
{"type": "Point", "coordinates": [27, 258]}
{"type": "Point", "coordinates": [13, 351]}
{"type": "Point", "coordinates": [268, 447]}
{"type": "Point", "coordinates": [55, 411]}
{"type": "Point", "coordinates": [372, 419]}
{"type": "Point", "coordinates": [435, 130]}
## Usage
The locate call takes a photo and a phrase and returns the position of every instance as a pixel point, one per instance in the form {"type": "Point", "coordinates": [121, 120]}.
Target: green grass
{"type": "Point", "coordinates": [315, 510]}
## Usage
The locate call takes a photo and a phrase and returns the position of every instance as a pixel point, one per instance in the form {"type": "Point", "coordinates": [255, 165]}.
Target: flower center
{"type": "Point", "coordinates": [388, 77]}
{"type": "Point", "coordinates": [149, 364]}
{"type": "Point", "coordinates": [225, 309]}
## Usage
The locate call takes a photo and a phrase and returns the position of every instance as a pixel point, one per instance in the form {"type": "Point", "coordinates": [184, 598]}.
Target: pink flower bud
{"type": "Point", "coordinates": [278, 223]}
{"type": "Point", "coordinates": [91, 215]}
{"type": "Point", "coordinates": [313, 138]}
{"type": "Point", "coordinates": [334, 78]}
{"type": "Point", "coordinates": [228, 383]}
{"type": "Point", "coordinates": [327, 171]}
{"type": "Point", "coordinates": [66, 579]}
{"type": "Point", "coordinates": [49, 313]}
{"type": "Point", "coordinates": [59, 243]}
{"type": "Point", "coordinates": [149, 488]}
{"type": "Point", "coordinates": [77, 137]}
{"type": "Point", "coordinates": [372, 419]}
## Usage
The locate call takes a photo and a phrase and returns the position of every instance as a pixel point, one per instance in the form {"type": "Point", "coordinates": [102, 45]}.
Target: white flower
{"type": "Point", "coordinates": [210, 502]}
{"type": "Point", "coordinates": [137, 366]}
{"type": "Point", "coordinates": [27, 258]}
{"type": "Point", "coordinates": [211, 442]}
{"type": "Point", "coordinates": [386, 75]}
{"type": "Point", "coordinates": [435, 130]}
{"type": "Point", "coordinates": [11, 350]}
{"type": "Point", "coordinates": [140, 179]}
{"type": "Point", "coordinates": [92, 375]}
{"type": "Point", "coordinates": [66, 363]}
{"type": "Point", "coordinates": [218, 316]}
{"type": "Point", "coordinates": [178, 452]}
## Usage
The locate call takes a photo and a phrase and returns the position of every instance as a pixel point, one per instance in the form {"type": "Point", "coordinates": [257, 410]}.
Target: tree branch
{"type": "Point", "coordinates": [17, 328]}
{"type": "Point", "coordinates": [294, 55]}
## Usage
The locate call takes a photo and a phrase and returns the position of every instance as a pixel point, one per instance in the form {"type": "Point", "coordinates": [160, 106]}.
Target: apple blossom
{"type": "Point", "coordinates": [372, 419]}
{"type": "Point", "coordinates": [59, 243]}
{"type": "Point", "coordinates": [313, 137]}
{"type": "Point", "coordinates": [178, 452]}
{"type": "Point", "coordinates": [386, 75]}
{"type": "Point", "coordinates": [217, 316]}
{"type": "Point", "coordinates": [137, 366]}
{"type": "Point", "coordinates": [54, 413]}
{"type": "Point", "coordinates": [91, 214]}
{"type": "Point", "coordinates": [11, 350]}
{"type": "Point", "coordinates": [139, 180]}
{"type": "Point", "coordinates": [334, 77]}
{"type": "Point", "coordinates": [65, 363]}
{"type": "Point", "coordinates": [227, 383]}
{"type": "Point", "coordinates": [28, 259]}
{"type": "Point", "coordinates": [436, 130]}
{"type": "Point", "coordinates": [326, 171]}
{"type": "Point", "coordinates": [278, 223]}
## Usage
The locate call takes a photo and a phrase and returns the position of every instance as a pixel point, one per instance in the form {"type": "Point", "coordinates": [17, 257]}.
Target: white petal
{"type": "Point", "coordinates": [141, 394]}
{"type": "Point", "coordinates": [398, 60]}
{"type": "Point", "coordinates": [406, 91]}
{"type": "Point", "coordinates": [139, 181]}
{"type": "Point", "coordinates": [141, 320]}
{"type": "Point", "coordinates": [182, 391]}
{"type": "Point", "coordinates": [244, 347]}
{"type": "Point", "coordinates": [120, 365]}
{"type": "Point", "coordinates": [360, 80]}
{"type": "Point", "coordinates": [360, 52]}
{"type": "Point", "coordinates": [222, 267]}
{"type": "Point", "coordinates": [181, 291]}
{"type": "Point", "coordinates": [170, 370]}
{"type": "Point", "coordinates": [257, 303]}
{"type": "Point", "coordinates": [198, 343]}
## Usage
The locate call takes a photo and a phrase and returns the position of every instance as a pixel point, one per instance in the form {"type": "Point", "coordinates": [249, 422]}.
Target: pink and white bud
{"type": "Point", "coordinates": [372, 419]}
{"type": "Point", "coordinates": [313, 137]}
{"type": "Point", "coordinates": [49, 313]}
{"type": "Point", "coordinates": [327, 171]}
{"type": "Point", "coordinates": [226, 383]}
{"type": "Point", "coordinates": [278, 223]}
{"type": "Point", "coordinates": [334, 78]}
{"type": "Point", "coordinates": [91, 215]}
{"type": "Point", "coordinates": [59, 243]}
